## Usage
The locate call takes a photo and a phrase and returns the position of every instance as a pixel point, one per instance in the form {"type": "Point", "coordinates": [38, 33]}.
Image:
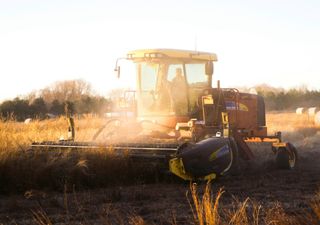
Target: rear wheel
{"type": "Point", "coordinates": [287, 157]}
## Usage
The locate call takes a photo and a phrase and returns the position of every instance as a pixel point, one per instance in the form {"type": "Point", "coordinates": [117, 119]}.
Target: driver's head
{"type": "Point", "coordinates": [178, 72]}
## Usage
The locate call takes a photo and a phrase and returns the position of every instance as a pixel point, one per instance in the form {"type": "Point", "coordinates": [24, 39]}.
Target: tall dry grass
{"type": "Point", "coordinates": [297, 129]}
{"type": "Point", "coordinates": [287, 121]}
{"type": "Point", "coordinates": [18, 136]}
{"type": "Point", "coordinates": [21, 169]}
{"type": "Point", "coordinates": [205, 209]}
{"type": "Point", "coordinates": [208, 210]}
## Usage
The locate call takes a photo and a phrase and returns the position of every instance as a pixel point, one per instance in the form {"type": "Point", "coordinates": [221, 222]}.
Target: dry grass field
{"type": "Point", "coordinates": [93, 187]}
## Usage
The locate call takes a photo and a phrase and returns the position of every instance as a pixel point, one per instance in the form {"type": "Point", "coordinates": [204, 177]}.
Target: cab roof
{"type": "Point", "coordinates": [171, 53]}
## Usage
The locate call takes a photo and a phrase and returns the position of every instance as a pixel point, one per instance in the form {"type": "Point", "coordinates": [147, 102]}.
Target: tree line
{"type": "Point", "coordinates": [52, 101]}
{"type": "Point", "coordinates": [279, 99]}
{"type": "Point", "coordinates": [79, 97]}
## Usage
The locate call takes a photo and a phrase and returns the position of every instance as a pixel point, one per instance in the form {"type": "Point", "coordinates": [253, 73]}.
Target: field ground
{"type": "Point", "coordinates": [284, 197]}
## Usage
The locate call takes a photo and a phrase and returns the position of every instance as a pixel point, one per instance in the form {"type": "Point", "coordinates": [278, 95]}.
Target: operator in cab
{"type": "Point", "coordinates": [179, 93]}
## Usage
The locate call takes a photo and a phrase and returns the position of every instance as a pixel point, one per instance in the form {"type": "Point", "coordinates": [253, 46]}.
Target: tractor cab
{"type": "Point", "coordinates": [170, 83]}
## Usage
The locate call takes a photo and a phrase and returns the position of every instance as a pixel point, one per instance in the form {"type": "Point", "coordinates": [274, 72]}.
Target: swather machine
{"type": "Point", "coordinates": [198, 131]}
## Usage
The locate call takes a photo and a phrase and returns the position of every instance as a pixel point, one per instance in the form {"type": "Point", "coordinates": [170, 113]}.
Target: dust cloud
{"type": "Point", "coordinates": [305, 139]}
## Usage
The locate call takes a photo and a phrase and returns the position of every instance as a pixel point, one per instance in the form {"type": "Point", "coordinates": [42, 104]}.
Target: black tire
{"type": "Point", "coordinates": [286, 157]}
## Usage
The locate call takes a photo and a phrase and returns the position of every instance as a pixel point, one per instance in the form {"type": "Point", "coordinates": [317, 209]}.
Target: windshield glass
{"type": "Point", "coordinates": [196, 75]}
{"type": "Point", "coordinates": [167, 88]}
{"type": "Point", "coordinates": [147, 81]}
{"type": "Point", "coordinates": [198, 81]}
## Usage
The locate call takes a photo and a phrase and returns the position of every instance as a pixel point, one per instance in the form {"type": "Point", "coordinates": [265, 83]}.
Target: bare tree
{"type": "Point", "coordinates": [69, 90]}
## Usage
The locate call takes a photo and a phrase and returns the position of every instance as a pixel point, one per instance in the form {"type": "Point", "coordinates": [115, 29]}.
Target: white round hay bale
{"type": "Point", "coordinates": [317, 119]}
{"type": "Point", "coordinates": [312, 111]}
{"type": "Point", "coordinates": [27, 121]}
{"type": "Point", "coordinates": [300, 110]}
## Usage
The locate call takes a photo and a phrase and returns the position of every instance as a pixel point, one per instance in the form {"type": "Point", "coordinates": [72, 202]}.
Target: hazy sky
{"type": "Point", "coordinates": [262, 41]}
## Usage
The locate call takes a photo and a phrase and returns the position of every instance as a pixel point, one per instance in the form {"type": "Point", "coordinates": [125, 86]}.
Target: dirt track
{"type": "Point", "coordinates": [166, 202]}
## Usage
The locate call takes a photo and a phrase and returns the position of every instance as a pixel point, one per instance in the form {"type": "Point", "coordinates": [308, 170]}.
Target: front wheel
{"type": "Point", "coordinates": [286, 157]}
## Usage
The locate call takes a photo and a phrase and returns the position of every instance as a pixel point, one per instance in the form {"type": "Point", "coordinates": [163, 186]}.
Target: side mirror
{"type": "Point", "coordinates": [117, 71]}
{"type": "Point", "coordinates": [209, 68]}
